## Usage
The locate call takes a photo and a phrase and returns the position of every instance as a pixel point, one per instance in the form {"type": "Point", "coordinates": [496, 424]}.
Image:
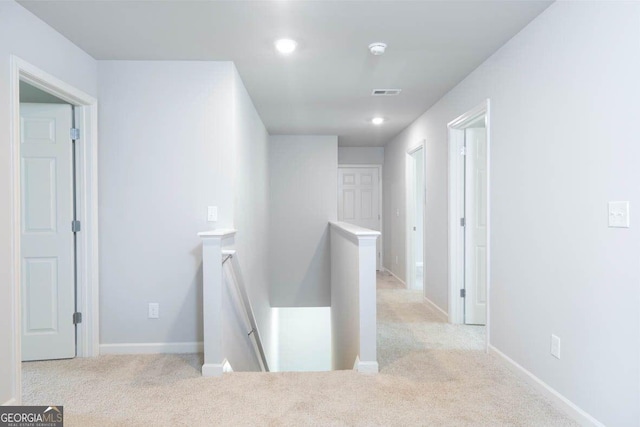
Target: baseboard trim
{"type": "Point", "coordinates": [558, 400]}
{"type": "Point", "coordinates": [365, 367]}
{"type": "Point", "coordinates": [152, 348]}
{"type": "Point", "coordinates": [397, 278]}
{"type": "Point", "coordinates": [10, 402]}
{"type": "Point", "coordinates": [440, 312]}
{"type": "Point", "coordinates": [212, 369]}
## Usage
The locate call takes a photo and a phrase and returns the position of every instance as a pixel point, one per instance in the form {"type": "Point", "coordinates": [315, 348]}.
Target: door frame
{"type": "Point", "coordinates": [409, 211]}
{"type": "Point", "coordinates": [86, 111]}
{"type": "Point", "coordinates": [380, 205]}
{"type": "Point", "coordinates": [456, 265]}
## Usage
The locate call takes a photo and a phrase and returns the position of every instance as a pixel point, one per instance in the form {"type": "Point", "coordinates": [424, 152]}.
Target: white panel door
{"type": "Point", "coordinates": [476, 197]}
{"type": "Point", "coordinates": [359, 199]}
{"type": "Point", "coordinates": [46, 243]}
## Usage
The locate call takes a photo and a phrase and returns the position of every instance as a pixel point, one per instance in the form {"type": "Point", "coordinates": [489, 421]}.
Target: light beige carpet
{"type": "Point", "coordinates": [431, 373]}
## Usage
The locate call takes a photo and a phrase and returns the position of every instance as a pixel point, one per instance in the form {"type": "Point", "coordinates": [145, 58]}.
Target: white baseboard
{"type": "Point", "coordinates": [365, 367]}
{"type": "Point", "coordinates": [397, 278]}
{"type": "Point", "coordinates": [558, 400]}
{"type": "Point", "coordinates": [212, 369]}
{"type": "Point", "coordinates": [226, 366]}
{"type": "Point", "coordinates": [440, 312]}
{"type": "Point", "coordinates": [152, 348]}
{"type": "Point", "coordinates": [10, 402]}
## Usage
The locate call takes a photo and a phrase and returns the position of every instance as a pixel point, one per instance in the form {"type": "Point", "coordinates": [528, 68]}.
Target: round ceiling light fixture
{"type": "Point", "coordinates": [377, 121]}
{"type": "Point", "coordinates": [286, 46]}
{"type": "Point", "coordinates": [377, 48]}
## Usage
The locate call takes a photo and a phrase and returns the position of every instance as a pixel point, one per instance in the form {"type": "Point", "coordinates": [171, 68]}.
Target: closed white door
{"type": "Point", "coordinates": [48, 297]}
{"type": "Point", "coordinates": [359, 199]}
{"type": "Point", "coordinates": [476, 197]}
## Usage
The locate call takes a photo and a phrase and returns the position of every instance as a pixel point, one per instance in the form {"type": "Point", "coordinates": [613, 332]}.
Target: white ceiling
{"type": "Point", "coordinates": [325, 86]}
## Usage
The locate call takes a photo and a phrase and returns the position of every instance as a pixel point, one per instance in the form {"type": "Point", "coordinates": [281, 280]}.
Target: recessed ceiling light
{"type": "Point", "coordinates": [286, 46]}
{"type": "Point", "coordinates": [377, 120]}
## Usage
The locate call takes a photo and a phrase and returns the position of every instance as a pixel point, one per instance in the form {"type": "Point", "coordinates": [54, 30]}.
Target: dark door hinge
{"type": "Point", "coordinates": [75, 226]}
{"type": "Point", "coordinates": [463, 293]}
{"type": "Point", "coordinates": [77, 318]}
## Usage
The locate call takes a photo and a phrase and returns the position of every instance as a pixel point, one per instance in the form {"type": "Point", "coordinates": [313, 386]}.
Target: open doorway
{"type": "Point", "coordinates": [48, 235]}
{"type": "Point", "coordinates": [415, 217]}
{"type": "Point", "coordinates": [469, 220]}
{"type": "Point", "coordinates": [48, 258]}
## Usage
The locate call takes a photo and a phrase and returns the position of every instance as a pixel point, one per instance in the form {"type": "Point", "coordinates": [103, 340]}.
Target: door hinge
{"type": "Point", "coordinates": [463, 150]}
{"type": "Point", "coordinates": [75, 226]}
{"type": "Point", "coordinates": [462, 222]}
{"type": "Point", "coordinates": [463, 293]}
{"type": "Point", "coordinates": [75, 134]}
{"type": "Point", "coordinates": [77, 318]}
{"type": "Point", "coordinates": [379, 217]}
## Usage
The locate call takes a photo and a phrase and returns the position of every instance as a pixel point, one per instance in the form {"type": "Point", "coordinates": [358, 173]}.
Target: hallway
{"type": "Point", "coordinates": [431, 373]}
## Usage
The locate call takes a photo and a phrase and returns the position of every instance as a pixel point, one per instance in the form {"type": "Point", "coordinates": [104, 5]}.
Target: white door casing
{"type": "Point", "coordinates": [475, 303]}
{"type": "Point", "coordinates": [415, 200]}
{"type": "Point", "coordinates": [359, 200]}
{"type": "Point", "coordinates": [46, 206]}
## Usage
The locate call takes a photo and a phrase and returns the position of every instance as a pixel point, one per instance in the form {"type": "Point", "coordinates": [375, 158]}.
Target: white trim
{"type": "Point", "coordinates": [409, 211]}
{"type": "Point", "coordinates": [212, 369]}
{"type": "Point", "coordinates": [87, 209]}
{"type": "Point", "coordinates": [397, 278]}
{"type": "Point", "coordinates": [10, 402]}
{"type": "Point", "coordinates": [152, 348]}
{"type": "Point", "coordinates": [456, 235]}
{"type": "Point", "coordinates": [217, 233]}
{"type": "Point", "coordinates": [440, 312]}
{"type": "Point", "coordinates": [558, 400]}
{"type": "Point", "coordinates": [365, 367]}
{"type": "Point", "coordinates": [226, 366]}
{"type": "Point", "coordinates": [380, 207]}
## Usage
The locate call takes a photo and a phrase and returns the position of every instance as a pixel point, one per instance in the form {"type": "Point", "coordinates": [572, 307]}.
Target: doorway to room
{"type": "Point", "coordinates": [360, 199]}
{"type": "Point", "coordinates": [48, 258]}
{"type": "Point", "coordinates": [49, 226]}
{"type": "Point", "coordinates": [469, 219]}
{"type": "Point", "coordinates": [415, 162]}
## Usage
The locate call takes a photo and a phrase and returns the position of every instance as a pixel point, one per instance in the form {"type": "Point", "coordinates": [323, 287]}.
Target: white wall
{"type": "Point", "coordinates": [24, 35]}
{"type": "Point", "coordinates": [353, 297]}
{"type": "Point", "coordinates": [304, 339]}
{"type": "Point", "coordinates": [360, 155]}
{"type": "Point", "coordinates": [237, 344]}
{"type": "Point", "coordinates": [251, 212]}
{"type": "Point", "coordinates": [564, 97]}
{"type": "Point", "coordinates": [166, 153]}
{"type": "Point", "coordinates": [303, 199]}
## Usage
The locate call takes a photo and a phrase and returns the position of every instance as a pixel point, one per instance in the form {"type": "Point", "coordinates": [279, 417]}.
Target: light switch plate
{"type": "Point", "coordinates": [619, 214]}
{"type": "Point", "coordinates": [212, 214]}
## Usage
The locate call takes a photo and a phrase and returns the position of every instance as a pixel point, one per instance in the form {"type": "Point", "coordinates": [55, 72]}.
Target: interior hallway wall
{"type": "Point", "coordinates": [251, 205]}
{"type": "Point", "coordinates": [360, 155]}
{"type": "Point", "coordinates": [563, 100]}
{"type": "Point", "coordinates": [303, 199]}
{"type": "Point", "coordinates": [24, 35]}
{"type": "Point", "coordinates": [166, 153]}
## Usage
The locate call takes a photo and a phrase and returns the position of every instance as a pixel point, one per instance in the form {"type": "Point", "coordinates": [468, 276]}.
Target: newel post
{"type": "Point", "coordinates": [212, 282]}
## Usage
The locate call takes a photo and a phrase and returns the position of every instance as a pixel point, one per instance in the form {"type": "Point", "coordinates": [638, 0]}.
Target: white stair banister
{"type": "Point", "coordinates": [353, 297]}
{"type": "Point", "coordinates": [212, 283]}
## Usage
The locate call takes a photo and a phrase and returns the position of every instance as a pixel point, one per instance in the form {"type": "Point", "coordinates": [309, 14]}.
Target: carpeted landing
{"type": "Point", "coordinates": [431, 373]}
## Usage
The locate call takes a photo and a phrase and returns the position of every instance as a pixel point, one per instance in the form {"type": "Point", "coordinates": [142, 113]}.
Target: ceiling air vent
{"type": "Point", "coordinates": [386, 92]}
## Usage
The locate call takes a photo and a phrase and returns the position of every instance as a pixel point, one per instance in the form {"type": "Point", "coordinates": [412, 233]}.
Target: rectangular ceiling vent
{"type": "Point", "coordinates": [386, 92]}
